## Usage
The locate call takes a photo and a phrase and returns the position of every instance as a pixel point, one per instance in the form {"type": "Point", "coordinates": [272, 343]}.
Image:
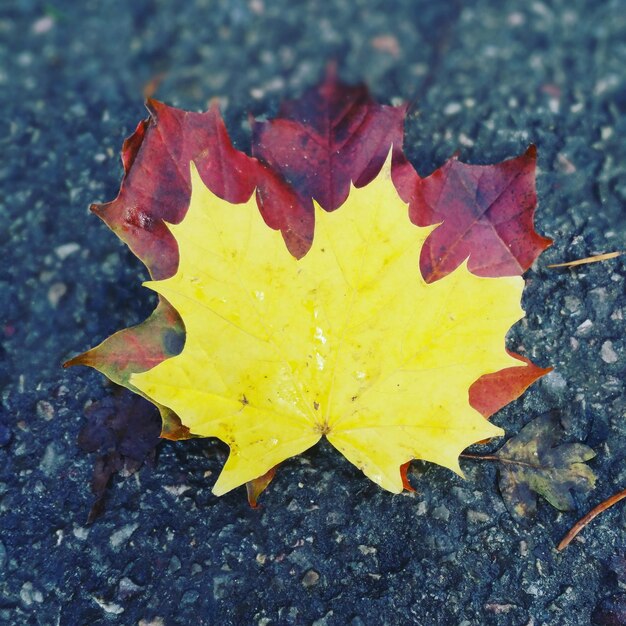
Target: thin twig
{"type": "Point", "coordinates": [497, 459]}
{"type": "Point", "coordinates": [587, 260]}
{"type": "Point", "coordinates": [583, 521]}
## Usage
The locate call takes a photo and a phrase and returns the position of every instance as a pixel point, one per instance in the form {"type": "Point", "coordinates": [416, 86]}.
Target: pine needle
{"type": "Point", "coordinates": [590, 259]}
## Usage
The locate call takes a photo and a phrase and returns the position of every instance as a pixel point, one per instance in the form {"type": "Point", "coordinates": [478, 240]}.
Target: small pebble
{"type": "Point", "coordinates": [584, 328]}
{"type": "Point", "coordinates": [43, 25]}
{"type": "Point", "coordinates": [28, 594]}
{"type": "Point", "coordinates": [55, 293]}
{"type": "Point", "coordinates": [477, 517]}
{"type": "Point", "coordinates": [122, 535]}
{"type": "Point", "coordinates": [45, 410]}
{"type": "Point", "coordinates": [66, 249]}
{"type": "Point", "coordinates": [601, 302]}
{"type": "Point", "coordinates": [573, 304]}
{"type": "Point", "coordinates": [441, 513]}
{"type": "Point", "coordinates": [452, 109]}
{"type": "Point", "coordinates": [499, 609]}
{"type": "Point", "coordinates": [310, 579]}
{"type": "Point", "coordinates": [190, 597]}
{"type": "Point", "coordinates": [174, 565]}
{"type": "Point", "coordinates": [80, 532]}
{"type": "Point", "coordinates": [50, 460]}
{"type": "Point", "coordinates": [109, 607]}
{"type": "Point", "coordinates": [564, 165]}
{"type": "Point", "coordinates": [607, 352]}
{"type": "Point", "coordinates": [516, 19]}
{"type": "Point", "coordinates": [555, 381]}
{"type": "Point", "coordinates": [127, 588]}
{"type": "Point", "coordinates": [466, 141]}
{"type": "Point", "coordinates": [606, 132]}
{"type": "Point", "coordinates": [176, 490]}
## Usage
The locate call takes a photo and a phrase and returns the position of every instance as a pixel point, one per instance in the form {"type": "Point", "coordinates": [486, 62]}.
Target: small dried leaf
{"type": "Point", "coordinates": [533, 463]}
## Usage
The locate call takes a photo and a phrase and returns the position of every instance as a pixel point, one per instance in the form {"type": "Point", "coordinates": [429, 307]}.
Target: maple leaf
{"type": "Point", "coordinates": [342, 136]}
{"type": "Point", "coordinates": [532, 463]}
{"type": "Point", "coordinates": [485, 211]}
{"type": "Point", "coordinates": [348, 342]}
{"type": "Point", "coordinates": [333, 136]}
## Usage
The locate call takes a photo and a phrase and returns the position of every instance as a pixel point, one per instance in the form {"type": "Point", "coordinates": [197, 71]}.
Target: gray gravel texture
{"type": "Point", "coordinates": [327, 547]}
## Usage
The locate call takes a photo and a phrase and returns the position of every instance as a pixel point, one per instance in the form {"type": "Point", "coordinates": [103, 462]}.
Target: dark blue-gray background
{"type": "Point", "coordinates": [327, 547]}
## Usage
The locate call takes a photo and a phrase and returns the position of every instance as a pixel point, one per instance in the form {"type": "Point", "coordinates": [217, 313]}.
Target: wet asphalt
{"type": "Point", "coordinates": [327, 547]}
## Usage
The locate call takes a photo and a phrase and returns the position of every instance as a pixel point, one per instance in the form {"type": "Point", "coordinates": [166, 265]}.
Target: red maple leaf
{"type": "Point", "coordinates": [332, 136]}
{"type": "Point", "coordinates": [485, 213]}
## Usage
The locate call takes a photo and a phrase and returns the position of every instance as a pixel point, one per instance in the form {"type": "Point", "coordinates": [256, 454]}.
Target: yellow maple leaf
{"type": "Point", "coordinates": [348, 342]}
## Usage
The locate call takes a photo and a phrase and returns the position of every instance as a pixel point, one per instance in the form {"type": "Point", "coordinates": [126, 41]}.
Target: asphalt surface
{"type": "Point", "coordinates": [327, 547]}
